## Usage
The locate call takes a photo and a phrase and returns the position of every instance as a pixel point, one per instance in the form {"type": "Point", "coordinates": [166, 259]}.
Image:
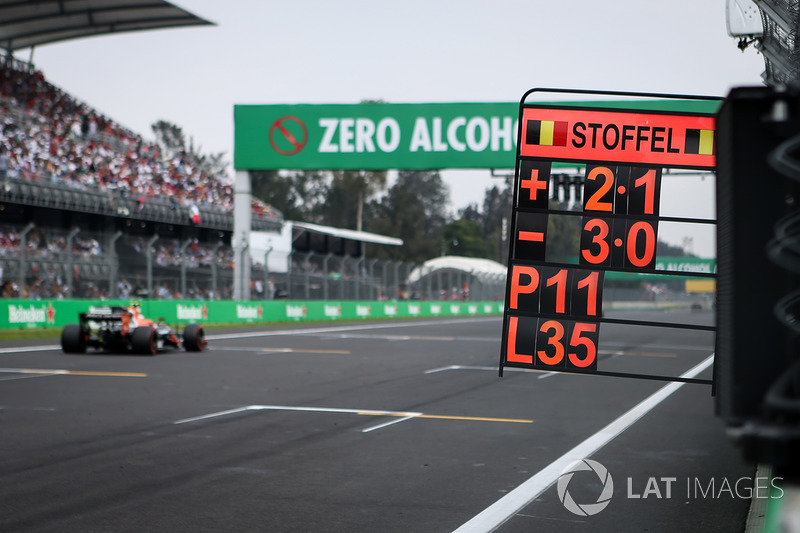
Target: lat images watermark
{"type": "Point", "coordinates": [585, 509]}
{"type": "Point", "coordinates": [587, 499]}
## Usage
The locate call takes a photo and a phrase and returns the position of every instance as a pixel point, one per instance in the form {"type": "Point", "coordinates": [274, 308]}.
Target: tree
{"type": "Point", "coordinates": [172, 140]}
{"type": "Point", "coordinates": [169, 136]}
{"type": "Point", "coordinates": [349, 191]}
{"type": "Point", "coordinates": [465, 238]}
{"type": "Point", "coordinates": [496, 208]}
{"type": "Point", "coordinates": [299, 196]}
{"type": "Point", "coordinates": [414, 209]}
{"type": "Point", "coordinates": [665, 249]}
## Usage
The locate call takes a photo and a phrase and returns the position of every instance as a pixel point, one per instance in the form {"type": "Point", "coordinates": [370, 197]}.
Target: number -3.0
{"type": "Point", "coordinates": [621, 242]}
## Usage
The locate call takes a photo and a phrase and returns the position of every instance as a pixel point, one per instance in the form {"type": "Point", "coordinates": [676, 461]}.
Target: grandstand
{"type": "Point", "coordinates": [90, 209]}
{"type": "Point", "coordinates": [67, 171]}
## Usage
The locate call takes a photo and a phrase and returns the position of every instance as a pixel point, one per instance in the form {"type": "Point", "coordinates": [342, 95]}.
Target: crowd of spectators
{"type": "Point", "coordinates": [46, 252]}
{"type": "Point", "coordinates": [47, 243]}
{"type": "Point", "coordinates": [47, 135]}
{"type": "Point", "coordinates": [167, 252]}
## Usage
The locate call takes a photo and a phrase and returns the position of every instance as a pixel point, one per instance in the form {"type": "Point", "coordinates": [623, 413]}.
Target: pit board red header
{"type": "Point", "coordinates": [610, 136]}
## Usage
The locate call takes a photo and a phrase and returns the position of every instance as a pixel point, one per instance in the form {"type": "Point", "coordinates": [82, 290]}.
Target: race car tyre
{"type": "Point", "coordinates": [143, 340]}
{"type": "Point", "coordinates": [194, 338]}
{"type": "Point", "coordinates": [73, 339]}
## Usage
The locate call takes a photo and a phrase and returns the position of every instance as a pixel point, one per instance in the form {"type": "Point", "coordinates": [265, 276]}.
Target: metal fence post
{"type": "Point", "coordinates": [266, 274]}
{"type": "Point", "coordinates": [70, 270]}
{"type": "Point", "coordinates": [289, 266]}
{"type": "Point", "coordinates": [23, 258]}
{"type": "Point", "coordinates": [183, 267]}
{"type": "Point", "coordinates": [372, 273]}
{"type": "Point", "coordinates": [150, 244]}
{"type": "Point", "coordinates": [307, 263]}
{"type": "Point", "coordinates": [325, 273]}
{"type": "Point", "coordinates": [244, 271]}
{"type": "Point", "coordinates": [358, 276]}
{"type": "Point", "coordinates": [214, 280]}
{"type": "Point", "coordinates": [113, 264]}
{"type": "Point", "coordinates": [396, 273]}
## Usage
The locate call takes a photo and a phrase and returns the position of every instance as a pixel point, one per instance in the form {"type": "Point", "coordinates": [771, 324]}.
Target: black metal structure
{"type": "Point", "coordinates": [667, 104]}
{"type": "Point", "coordinates": [758, 189]}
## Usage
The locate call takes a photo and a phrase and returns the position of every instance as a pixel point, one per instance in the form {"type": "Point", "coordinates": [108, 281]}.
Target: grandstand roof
{"type": "Point", "coordinates": [353, 235]}
{"type": "Point", "coordinates": [25, 24]}
{"type": "Point", "coordinates": [480, 268]}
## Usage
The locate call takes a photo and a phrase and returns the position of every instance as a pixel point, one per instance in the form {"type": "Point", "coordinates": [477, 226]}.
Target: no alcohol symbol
{"type": "Point", "coordinates": [288, 135]}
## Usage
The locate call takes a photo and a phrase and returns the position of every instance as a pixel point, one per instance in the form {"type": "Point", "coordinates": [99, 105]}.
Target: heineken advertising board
{"type": "Point", "coordinates": [381, 136]}
{"type": "Point", "coordinates": [43, 314]}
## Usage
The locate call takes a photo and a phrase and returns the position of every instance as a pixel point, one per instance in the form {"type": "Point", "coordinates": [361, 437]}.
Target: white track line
{"type": "Point", "coordinates": [484, 368]}
{"type": "Point", "coordinates": [385, 424]}
{"type": "Point", "coordinates": [503, 509]}
{"type": "Point", "coordinates": [296, 408]}
{"type": "Point", "coordinates": [20, 349]}
{"type": "Point", "coordinates": [337, 329]}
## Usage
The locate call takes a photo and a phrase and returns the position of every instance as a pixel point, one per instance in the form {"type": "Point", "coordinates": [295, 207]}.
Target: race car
{"type": "Point", "coordinates": [125, 329]}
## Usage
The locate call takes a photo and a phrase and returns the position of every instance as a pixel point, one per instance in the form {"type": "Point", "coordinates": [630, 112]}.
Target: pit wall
{"type": "Point", "coordinates": [25, 314]}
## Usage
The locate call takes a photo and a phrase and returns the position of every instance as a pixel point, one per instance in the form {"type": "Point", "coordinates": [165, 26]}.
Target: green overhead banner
{"type": "Point", "coordinates": [375, 136]}
{"type": "Point", "coordinates": [381, 136]}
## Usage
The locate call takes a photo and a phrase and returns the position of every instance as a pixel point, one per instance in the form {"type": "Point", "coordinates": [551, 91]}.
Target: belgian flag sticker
{"type": "Point", "coordinates": [546, 132]}
{"type": "Point", "coordinates": [700, 142]}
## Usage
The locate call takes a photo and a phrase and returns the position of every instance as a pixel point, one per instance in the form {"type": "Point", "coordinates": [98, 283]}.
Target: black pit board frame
{"type": "Point", "coordinates": [666, 153]}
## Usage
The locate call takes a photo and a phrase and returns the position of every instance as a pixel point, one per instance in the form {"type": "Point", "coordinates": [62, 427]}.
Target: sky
{"type": "Point", "coordinates": [316, 52]}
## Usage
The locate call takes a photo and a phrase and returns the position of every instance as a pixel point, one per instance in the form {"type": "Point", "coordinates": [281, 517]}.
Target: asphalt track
{"type": "Point", "coordinates": [373, 426]}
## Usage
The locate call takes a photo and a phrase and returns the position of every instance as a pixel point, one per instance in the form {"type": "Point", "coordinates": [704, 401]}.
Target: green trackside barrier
{"type": "Point", "coordinates": [25, 314]}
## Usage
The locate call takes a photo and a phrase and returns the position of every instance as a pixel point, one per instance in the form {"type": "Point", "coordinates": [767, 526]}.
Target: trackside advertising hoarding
{"type": "Point", "coordinates": [375, 136]}
{"type": "Point", "coordinates": [26, 314]}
